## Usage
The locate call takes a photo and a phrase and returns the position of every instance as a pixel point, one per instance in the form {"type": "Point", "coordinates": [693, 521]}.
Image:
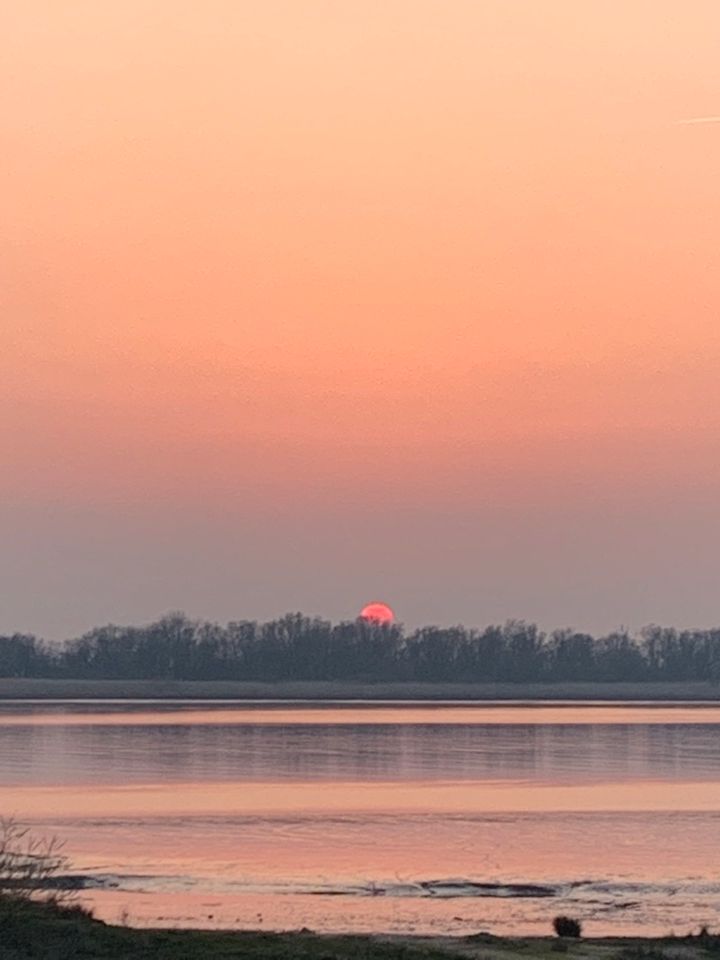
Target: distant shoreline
{"type": "Point", "coordinates": [54, 689]}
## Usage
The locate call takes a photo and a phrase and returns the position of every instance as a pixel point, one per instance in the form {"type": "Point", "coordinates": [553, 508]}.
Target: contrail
{"type": "Point", "coordinates": [699, 120]}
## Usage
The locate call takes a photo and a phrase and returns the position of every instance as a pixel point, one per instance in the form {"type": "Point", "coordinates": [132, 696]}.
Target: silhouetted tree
{"type": "Point", "coordinates": [22, 655]}
{"type": "Point", "coordinates": [295, 647]}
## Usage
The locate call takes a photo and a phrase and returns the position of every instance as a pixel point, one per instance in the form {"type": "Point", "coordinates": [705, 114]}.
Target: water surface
{"type": "Point", "coordinates": [444, 818]}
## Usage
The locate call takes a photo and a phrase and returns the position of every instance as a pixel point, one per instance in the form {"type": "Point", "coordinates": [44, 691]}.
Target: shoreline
{"type": "Point", "coordinates": [37, 931]}
{"type": "Point", "coordinates": [31, 688]}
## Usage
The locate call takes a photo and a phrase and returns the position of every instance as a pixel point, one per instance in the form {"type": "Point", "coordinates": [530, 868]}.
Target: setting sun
{"type": "Point", "coordinates": [377, 612]}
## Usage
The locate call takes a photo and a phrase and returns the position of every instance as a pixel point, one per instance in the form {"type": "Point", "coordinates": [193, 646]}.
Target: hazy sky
{"type": "Point", "coordinates": [309, 302]}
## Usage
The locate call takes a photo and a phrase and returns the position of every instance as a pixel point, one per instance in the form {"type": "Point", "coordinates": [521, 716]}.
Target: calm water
{"type": "Point", "coordinates": [438, 818]}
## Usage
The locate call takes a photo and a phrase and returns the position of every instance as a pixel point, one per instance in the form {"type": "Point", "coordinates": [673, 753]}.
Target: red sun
{"type": "Point", "coordinates": [377, 612]}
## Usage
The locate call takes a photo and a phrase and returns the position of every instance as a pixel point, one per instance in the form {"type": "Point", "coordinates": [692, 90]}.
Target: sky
{"type": "Point", "coordinates": [307, 304]}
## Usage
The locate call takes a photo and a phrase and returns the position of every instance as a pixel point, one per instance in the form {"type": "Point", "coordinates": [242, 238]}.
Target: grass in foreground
{"type": "Point", "coordinates": [43, 931]}
{"type": "Point", "coordinates": [35, 931]}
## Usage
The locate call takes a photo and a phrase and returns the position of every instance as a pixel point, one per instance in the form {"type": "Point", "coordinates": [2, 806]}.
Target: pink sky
{"type": "Point", "coordinates": [305, 304]}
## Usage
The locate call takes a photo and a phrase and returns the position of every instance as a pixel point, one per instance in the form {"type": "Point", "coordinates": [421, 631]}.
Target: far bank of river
{"type": "Point", "coordinates": [22, 688]}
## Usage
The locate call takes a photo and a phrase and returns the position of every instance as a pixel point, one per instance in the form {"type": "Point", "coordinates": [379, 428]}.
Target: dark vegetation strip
{"type": "Point", "coordinates": [297, 650]}
{"type": "Point", "coordinates": [78, 689]}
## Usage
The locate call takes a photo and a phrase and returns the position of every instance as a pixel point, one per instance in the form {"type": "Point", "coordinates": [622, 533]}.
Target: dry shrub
{"type": "Point", "coordinates": [30, 866]}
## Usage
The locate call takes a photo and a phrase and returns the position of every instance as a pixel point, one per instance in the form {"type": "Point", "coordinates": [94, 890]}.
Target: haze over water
{"type": "Point", "coordinates": [395, 817]}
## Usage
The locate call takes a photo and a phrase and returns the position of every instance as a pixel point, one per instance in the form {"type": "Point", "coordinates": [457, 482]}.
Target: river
{"type": "Point", "coordinates": [442, 818]}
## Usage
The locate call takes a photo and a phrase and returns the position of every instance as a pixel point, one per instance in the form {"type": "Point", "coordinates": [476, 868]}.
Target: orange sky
{"type": "Point", "coordinates": [309, 302]}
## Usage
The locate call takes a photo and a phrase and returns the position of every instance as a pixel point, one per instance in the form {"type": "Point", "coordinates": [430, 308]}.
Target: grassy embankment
{"type": "Point", "coordinates": [49, 689]}
{"type": "Point", "coordinates": [43, 932]}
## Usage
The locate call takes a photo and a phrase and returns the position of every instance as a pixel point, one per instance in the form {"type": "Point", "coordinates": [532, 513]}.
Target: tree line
{"type": "Point", "coordinates": [296, 647]}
